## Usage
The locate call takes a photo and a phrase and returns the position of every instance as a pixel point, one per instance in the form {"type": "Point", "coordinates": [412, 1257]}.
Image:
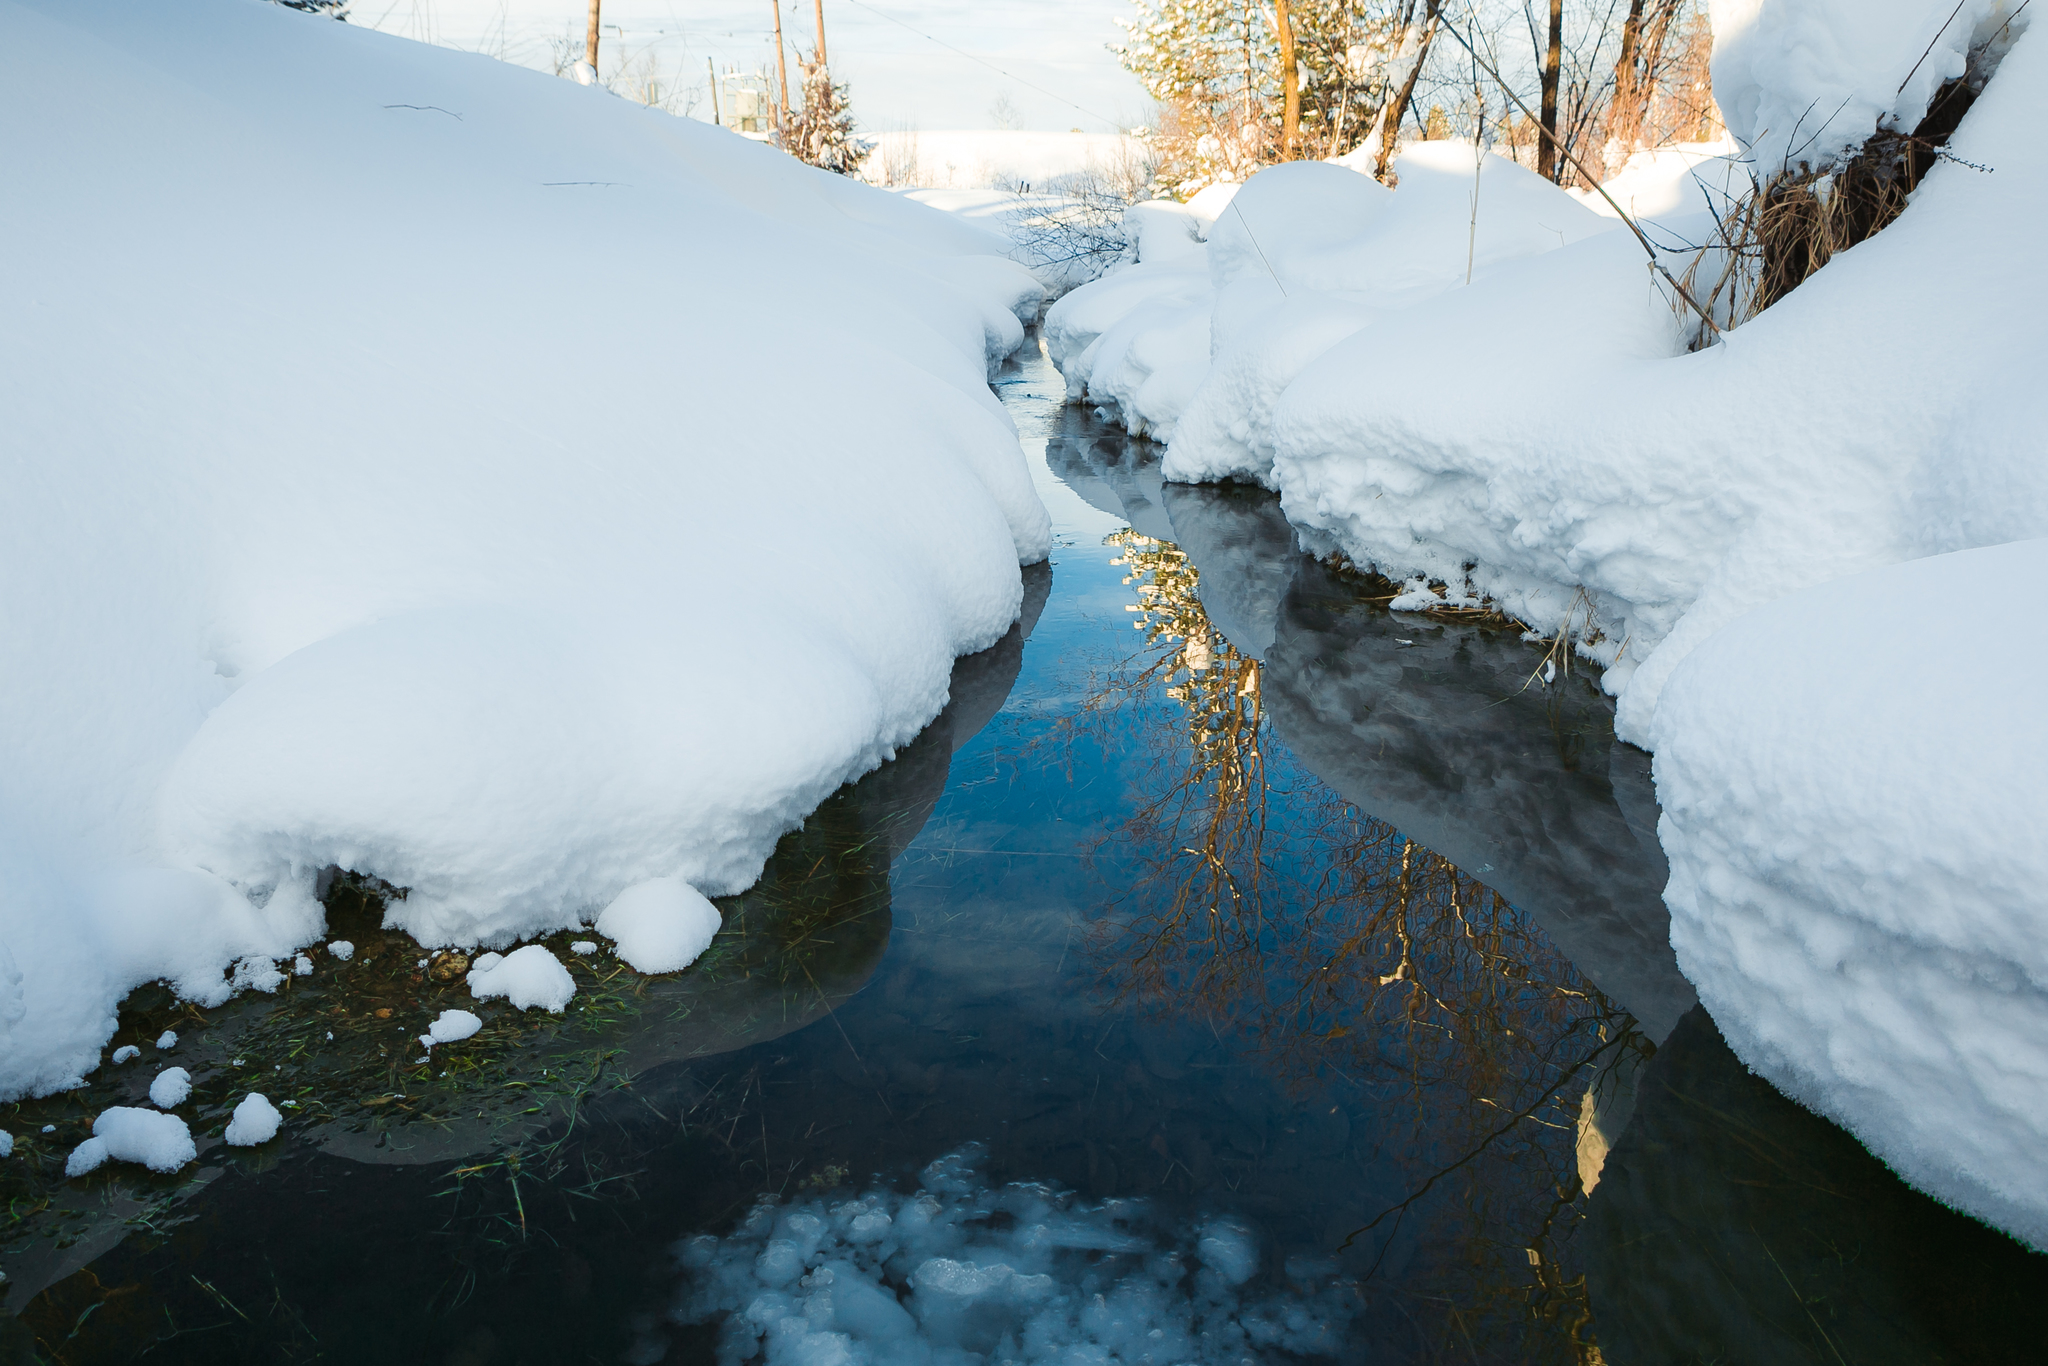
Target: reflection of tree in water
{"type": "Point", "coordinates": [1324, 940]}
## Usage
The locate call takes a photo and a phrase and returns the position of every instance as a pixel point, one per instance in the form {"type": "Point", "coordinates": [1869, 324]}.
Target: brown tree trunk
{"type": "Point", "coordinates": [1625, 110]}
{"type": "Point", "coordinates": [590, 38]}
{"type": "Point", "coordinates": [1397, 108]}
{"type": "Point", "coordinates": [1547, 164]}
{"type": "Point", "coordinates": [820, 6]}
{"type": "Point", "coordinates": [1290, 84]}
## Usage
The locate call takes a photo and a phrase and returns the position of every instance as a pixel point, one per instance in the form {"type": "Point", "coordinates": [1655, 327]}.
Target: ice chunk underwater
{"type": "Point", "coordinates": [960, 1271]}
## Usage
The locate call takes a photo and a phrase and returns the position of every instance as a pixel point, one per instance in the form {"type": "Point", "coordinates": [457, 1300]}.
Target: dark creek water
{"type": "Point", "coordinates": [1235, 971]}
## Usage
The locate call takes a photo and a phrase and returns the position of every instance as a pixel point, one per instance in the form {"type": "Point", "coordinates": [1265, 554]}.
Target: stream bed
{"type": "Point", "coordinates": [1235, 971]}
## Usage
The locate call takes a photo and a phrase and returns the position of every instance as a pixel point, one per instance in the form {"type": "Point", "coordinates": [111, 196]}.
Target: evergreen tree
{"type": "Point", "coordinates": [821, 132]}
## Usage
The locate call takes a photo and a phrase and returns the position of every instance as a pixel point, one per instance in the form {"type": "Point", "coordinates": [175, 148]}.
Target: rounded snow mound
{"type": "Point", "coordinates": [127, 1133]}
{"type": "Point", "coordinates": [660, 925]}
{"type": "Point", "coordinates": [451, 1026]}
{"type": "Point", "coordinates": [1856, 865]}
{"type": "Point", "coordinates": [525, 977]}
{"type": "Point", "coordinates": [255, 1121]}
{"type": "Point", "coordinates": [171, 1088]}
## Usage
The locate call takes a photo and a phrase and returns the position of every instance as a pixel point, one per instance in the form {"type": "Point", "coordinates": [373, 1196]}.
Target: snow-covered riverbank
{"type": "Point", "coordinates": [428, 467]}
{"type": "Point", "coordinates": [1499, 400]}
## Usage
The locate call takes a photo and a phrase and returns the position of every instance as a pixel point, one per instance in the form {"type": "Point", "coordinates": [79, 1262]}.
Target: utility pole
{"type": "Point", "coordinates": [712, 71]}
{"type": "Point", "coordinates": [1290, 80]}
{"type": "Point", "coordinates": [820, 5]}
{"type": "Point", "coordinates": [781, 70]}
{"type": "Point", "coordinates": [590, 40]}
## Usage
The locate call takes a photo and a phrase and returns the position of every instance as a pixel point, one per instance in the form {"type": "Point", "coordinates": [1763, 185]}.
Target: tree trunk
{"type": "Point", "coordinates": [820, 5]}
{"type": "Point", "coordinates": [590, 40]}
{"type": "Point", "coordinates": [1547, 161]}
{"type": "Point", "coordinates": [1290, 84]}
{"type": "Point", "coordinates": [712, 71]}
{"type": "Point", "coordinates": [1397, 108]}
{"type": "Point", "coordinates": [1625, 110]}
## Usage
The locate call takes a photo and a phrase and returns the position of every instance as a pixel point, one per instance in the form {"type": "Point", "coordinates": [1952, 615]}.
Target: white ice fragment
{"type": "Point", "coordinates": [255, 1121]}
{"type": "Point", "coordinates": [125, 1052]}
{"type": "Point", "coordinates": [6, 1144]}
{"type": "Point", "coordinates": [88, 1156]}
{"type": "Point", "coordinates": [342, 949]}
{"type": "Point", "coordinates": [450, 1026]}
{"type": "Point", "coordinates": [256, 973]}
{"type": "Point", "coordinates": [583, 947]}
{"type": "Point", "coordinates": [167, 1039]}
{"type": "Point", "coordinates": [171, 1088]}
{"type": "Point", "coordinates": [422, 963]}
{"type": "Point", "coordinates": [49, 1128]}
{"type": "Point", "coordinates": [660, 925]}
{"type": "Point", "coordinates": [525, 977]}
{"type": "Point", "coordinates": [303, 966]}
{"type": "Point", "coordinates": [129, 1133]}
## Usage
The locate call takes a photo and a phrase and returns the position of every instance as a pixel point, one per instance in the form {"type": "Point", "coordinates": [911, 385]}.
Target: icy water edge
{"type": "Point", "coordinates": [1235, 971]}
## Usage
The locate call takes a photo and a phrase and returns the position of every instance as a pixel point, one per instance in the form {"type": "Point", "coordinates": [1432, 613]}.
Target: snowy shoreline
{"type": "Point", "coordinates": [1471, 384]}
{"type": "Point", "coordinates": [364, 518]}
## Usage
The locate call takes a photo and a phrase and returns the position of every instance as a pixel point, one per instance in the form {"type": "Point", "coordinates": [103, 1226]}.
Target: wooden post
{"type": "Point", "coordinates": [1290, 83]}
{"type": "Point", "coordinates": [712, 71]}
{"type": "Point", "coordinates": [781, 72]}
{"type": "Point", "coordinates": [590, 40]}
{"type": "Point", "coordinates": [820, 6]}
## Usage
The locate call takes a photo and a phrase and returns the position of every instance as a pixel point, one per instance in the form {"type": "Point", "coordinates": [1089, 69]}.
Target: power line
{"type": "Point", "coordinates": [990, 65]}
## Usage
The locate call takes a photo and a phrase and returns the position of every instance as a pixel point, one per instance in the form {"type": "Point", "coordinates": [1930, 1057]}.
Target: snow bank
{"type": "Point", "coordinates": [1857, 858]}
{"type": "Point", "coordinates": [126, 1133]}
{"type": "Point", "coordinates": [930, 1277]}
{"type": "Point", "coordinates": [526, 978]}
{"type": "Point", "coordinates": [172, 1087]}
{"type": "Point", "coordinates": [992, 158]}
{"type": "Point", "coordinates": [1808, 80]}
{"type": "Point", "coordinates": [255, 1121]}
{"type": "Point", "coordinates": [660, 925]}
{"type": "Point", "coordinates": [1543, 438]}
{"type": "Point", "coordinates": [1300, 256]}
{"type": "Point", "coordinates": [468, 478]}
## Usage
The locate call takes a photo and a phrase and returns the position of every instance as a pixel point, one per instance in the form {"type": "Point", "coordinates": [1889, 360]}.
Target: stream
{"type": "Point", "coordinates": [1235, 971]}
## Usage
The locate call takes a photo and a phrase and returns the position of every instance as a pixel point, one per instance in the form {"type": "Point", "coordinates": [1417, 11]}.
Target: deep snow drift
{"type": "Point", "coordinates": [1542, 438]}
{"type": "Point", "coordinates": [420, 465]}
{"type": "Point", "coordinates": [958, 1272]}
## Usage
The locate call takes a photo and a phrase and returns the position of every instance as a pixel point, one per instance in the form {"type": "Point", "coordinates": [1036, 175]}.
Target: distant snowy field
{"type": "Point", "coordinates": [1779, 548]}
{"type": "Point", "coordinates": [991, 159]}
{"type": "Point", "coordinates": [425, 466]}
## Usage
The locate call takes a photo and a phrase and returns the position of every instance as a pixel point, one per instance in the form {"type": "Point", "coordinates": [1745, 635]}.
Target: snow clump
{"type": "Point", "coordinates": [583, 948]}
{"type": "Point", "coordinates": [525, 977]}
{"type": "Point", "coordinates": [302, 966]}
{"type": "Point", "coordinates": [660, 925]}
{"type": "Point", "coordinates": [342, 949]}
{"type": "Point", "coordinates": [127, 1133]}
{"type": "Point", "coordinates": [451, 1026]}
{"type": "Point", "coordinates": [6, 1144]}
{"type": "Point", "coordinates": [167, 1039]}
{"type": "Point", "coordinates": [126, 1052]}
{"type": "Point", "coordinates": [889, 1278]}
{"type": "Point", "coordinates": [255, 1121]}
{"type": "Point", "coordinates": [171, 1088]}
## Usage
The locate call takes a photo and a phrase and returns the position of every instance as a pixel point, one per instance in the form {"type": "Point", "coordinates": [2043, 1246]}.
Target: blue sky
{"type": "Point", "coordinates": [1048, 58]}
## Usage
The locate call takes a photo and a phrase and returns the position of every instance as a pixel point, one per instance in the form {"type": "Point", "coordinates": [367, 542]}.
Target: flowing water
{"type": "Point", "coordinates": [1235, 971]}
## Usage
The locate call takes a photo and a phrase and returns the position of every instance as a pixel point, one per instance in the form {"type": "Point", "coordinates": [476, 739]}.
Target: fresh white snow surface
{"type": "Point", "coordinates": [171, 1088]}
{"type": "Point", "coordinates": [255, 1121]}
{"type": "Point", "coordinates": [128, 1133]}
{"type": "Point", "coordinates": [1855, 833]}
{"type": "Point", "coordinates": [526, 977]}
{"type": "Point", "coordinates": [922, 1280]}
{"type": "Point", "coordinates": [660, 925]}
{"type": "Point", "coordinates": [465, 477]}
